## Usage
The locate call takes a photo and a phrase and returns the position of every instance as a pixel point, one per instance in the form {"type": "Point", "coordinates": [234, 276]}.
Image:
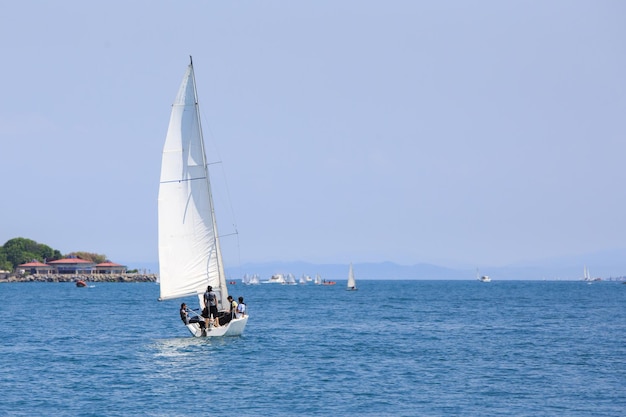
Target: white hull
{"type": "Point", "coordinates": [482, 278]}
{"type": "Point", "coordinates": [276, 279]}
{"type": "Point", "coordinates": [234, 328]}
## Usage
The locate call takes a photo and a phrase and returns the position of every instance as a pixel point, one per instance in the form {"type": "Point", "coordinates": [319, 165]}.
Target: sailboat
{"type": "Point", "coordinates": [290, 280]}
{"type": "Point", "coordinates": [351, 282]}
{"type": "Point", "coordinates": [190, 258]}
{"type": "Point", "coordinates": [482, 278]}
{"type": "Point", "coordinates": [587, 276]}
{"type": "Point", "coordinates": [250, 279]}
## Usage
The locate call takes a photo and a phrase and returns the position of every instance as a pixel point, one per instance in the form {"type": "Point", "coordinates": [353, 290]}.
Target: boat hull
{"type": "Point", "coordinates": [234, 328]}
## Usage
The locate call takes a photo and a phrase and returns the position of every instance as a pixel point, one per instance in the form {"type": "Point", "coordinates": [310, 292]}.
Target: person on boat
{"type": "Point", "coordinates": [241, 308]}
{"type": "Point", "coordinates": [233, 306]}
{"type": "Point", "coordinates": [210, 307]}
{"type": "Point", "coordinates": [184, 316]}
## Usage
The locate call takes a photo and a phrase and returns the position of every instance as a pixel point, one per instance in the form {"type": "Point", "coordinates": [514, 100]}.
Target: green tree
{"type": "Point", "coordinates": [5, 265]}
{"type": "Point", "coordinates": [20, 250]}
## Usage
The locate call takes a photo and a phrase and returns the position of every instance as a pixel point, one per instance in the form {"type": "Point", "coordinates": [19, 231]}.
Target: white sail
{"type": "Point", "coordinates": [189, 251]}
{"type": "Point", "coordinates": [290, 280]}
{"type": "Point", "coordinates": [351, 282]}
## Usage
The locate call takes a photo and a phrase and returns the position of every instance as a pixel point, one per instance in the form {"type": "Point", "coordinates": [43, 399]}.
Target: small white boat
{"type": "Point", "coordinates": [190, 257]}
{"type": "Point", "coordinates": [482, 278]}
{"type": "Point", "coordinates": [276, 279]}
{"type": "Point", "coordinates": [351, 282]}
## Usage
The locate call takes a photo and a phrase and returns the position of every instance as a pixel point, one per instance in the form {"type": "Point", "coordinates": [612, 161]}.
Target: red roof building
{"type": "Point", "coordinates": [36, 268]}
{"type": "Point", "coordinates": [73, 266]}
{"type": "Point", "coordinates": [109, 267]}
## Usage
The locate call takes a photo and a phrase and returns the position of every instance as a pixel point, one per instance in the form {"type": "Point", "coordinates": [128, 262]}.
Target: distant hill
{"type": "Point", "coordinates": [608, 264]}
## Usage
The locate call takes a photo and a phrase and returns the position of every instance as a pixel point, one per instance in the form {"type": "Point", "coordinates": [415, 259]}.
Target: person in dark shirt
{"type": "Point", "coordinates": [184, 316]}
{"type": "Point", "coordinates": [210, 306]}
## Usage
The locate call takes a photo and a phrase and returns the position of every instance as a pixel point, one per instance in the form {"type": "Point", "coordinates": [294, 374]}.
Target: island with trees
{"type": "Point", "coordinates": [25, 260]}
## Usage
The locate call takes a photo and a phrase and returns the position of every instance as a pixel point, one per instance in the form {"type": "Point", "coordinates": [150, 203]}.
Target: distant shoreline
{"type": "Point", "coordinates": [86, 278]}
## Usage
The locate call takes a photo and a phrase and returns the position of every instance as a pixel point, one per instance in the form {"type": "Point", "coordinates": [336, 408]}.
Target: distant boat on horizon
{"type": "Point", "coordinates": [275, 279]}
{"type": "Point", "coordinates": [250, 279]}
{"type": "Point", "coordinates": [290, 280]}
{"type": "Point", "coordinates": [587, 276]}
{"type": "Point", "coordinates": [482, 278]}
{"type": "Point", "coordinates": [351, 286]}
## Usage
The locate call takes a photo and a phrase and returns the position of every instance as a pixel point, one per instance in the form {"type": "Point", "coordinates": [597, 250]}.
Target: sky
{"type": "Point", "coordinates": [445, 132]}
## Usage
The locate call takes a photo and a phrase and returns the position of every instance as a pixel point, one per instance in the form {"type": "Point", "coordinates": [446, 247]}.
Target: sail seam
{"type": "Point", "coordinates": [183, 180]}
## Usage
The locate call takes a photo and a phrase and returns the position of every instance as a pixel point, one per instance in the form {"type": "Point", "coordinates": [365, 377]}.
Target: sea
{"type": "Point", "coordinates": [392, 348]}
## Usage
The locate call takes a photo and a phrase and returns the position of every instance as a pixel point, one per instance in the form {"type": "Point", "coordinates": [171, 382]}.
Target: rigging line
{"type": "Point", "coordinates": [210, 135]}
{"type": "Point", "coordinates": [219, 161]}
{"type": "Point", "coordinates": [230, 202]}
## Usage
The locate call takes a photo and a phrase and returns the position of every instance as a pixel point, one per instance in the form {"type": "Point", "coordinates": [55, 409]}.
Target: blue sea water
{"type": "Point", "coordinates": [397, 348]}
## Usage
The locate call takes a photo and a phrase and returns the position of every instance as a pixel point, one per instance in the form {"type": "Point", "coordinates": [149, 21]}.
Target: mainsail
{"type": "Point", "coordinates": [189, 250]}
{"type": "Point", "coordinates": [351, 281]}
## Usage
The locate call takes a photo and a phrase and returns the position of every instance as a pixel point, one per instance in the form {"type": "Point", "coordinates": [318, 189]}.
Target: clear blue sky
{"type": "Point", "coordinates": [483, 132]}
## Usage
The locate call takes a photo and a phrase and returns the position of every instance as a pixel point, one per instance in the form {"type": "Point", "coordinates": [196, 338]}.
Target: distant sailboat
{"type": "Point", "coordinates": [290, 280]}
{"type": "Point", "coordinates": [482, 278]}
{"type": "Point", "coordinates": [190, 258]}
{"type": "Point", "coordinates": [351, 282]}
{"type": "Point", "coordinates": [250, 279]}
{"type": "Point", "coordinates": [587, 276]}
